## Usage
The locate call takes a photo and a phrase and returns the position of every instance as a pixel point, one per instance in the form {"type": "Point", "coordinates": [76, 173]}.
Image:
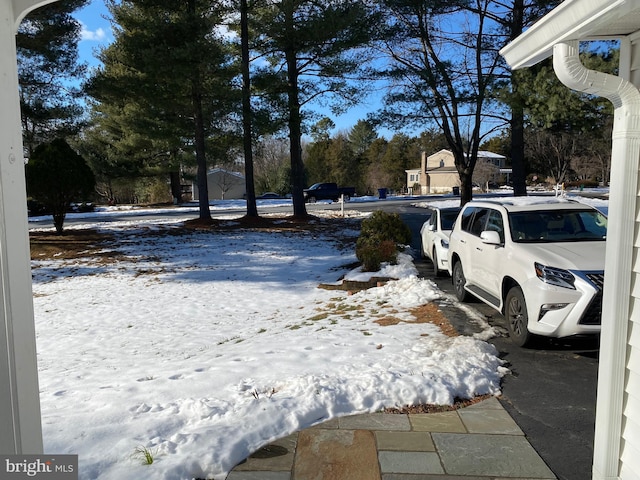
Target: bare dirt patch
{"type": "Point", "coordinates": [72, 244]}
{"type": "Point", "coordinates": [431, 408]}
{"type": "Point", "coordinates": [428, 313]}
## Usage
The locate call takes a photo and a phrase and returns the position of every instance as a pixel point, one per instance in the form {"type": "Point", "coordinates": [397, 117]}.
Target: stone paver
{"type": "Point", "coordinates": [235, 475]}
{"type": "Point", "coordinates": [277, 456]}
{"type": "Point", "coordinates": [488, 404]}
{"type": "Point", "coordinates": [490, 455]}
{"type": "Point", "coordinates": [410, 462]}
{"type": "Point", "coordinates": [438, 422]}
{"type": "Point", "coordinates": [336, 455]}
{"type": "Point", "coordinates": [479, 442]}
{"type": "Point", "coordinates": [405, 441]}
{"type": "Point", "coordinates": [489, 421]}
{"type": "Point", "coordinates": [409, 476]}
{"type": "Point", "coordinates": [375, 421]}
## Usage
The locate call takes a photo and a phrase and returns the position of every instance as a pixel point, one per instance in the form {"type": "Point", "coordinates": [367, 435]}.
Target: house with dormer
{"type": "Point", "coordinates": [438, 173]}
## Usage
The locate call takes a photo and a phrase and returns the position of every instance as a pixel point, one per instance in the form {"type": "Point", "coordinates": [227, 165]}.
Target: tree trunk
{"type": "Point", "coordinates": [200, 137]}
{"type": "Point", "coordinates": [517, 112]}
{"type": "Point", "coordinates": [58, 221]}
{"type": "Point", "coordinates": [295, 126]}
{"type": "Point", "coordinates": [176, 187]}
{"type": "Point", "coordinates": [466, 189]}
{"type": "Point", "coordinates": [252, 209]}
{"type": "Point", "coordinates": [518, 176]}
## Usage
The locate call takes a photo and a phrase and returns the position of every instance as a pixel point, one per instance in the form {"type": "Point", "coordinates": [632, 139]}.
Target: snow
{"type": "Point", "coordinates": [202, 347]}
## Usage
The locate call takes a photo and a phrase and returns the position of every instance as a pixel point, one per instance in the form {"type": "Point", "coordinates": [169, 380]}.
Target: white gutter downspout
{"type": "Point", "coordinates": [625, 158]}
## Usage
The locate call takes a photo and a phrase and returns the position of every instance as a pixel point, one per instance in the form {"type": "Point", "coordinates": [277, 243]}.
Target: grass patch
{"type": "Point", "coordinates": [144, 455]}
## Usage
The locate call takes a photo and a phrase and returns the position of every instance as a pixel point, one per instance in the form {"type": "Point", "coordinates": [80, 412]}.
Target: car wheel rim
{"type": "Point", "coordinates": [459, 280]}
{"type": "Point", "coordinates": [516, 317]}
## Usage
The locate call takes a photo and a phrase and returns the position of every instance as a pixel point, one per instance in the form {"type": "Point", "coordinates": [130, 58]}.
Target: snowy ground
{"type": "Point", "coordinates": [202, 347]}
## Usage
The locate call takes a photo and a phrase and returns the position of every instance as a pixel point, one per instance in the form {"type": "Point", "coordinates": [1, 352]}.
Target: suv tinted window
{"type": "Point", "coordinates": [494, 223]}
{"type": "Point", "coordinates": [467, 218]}
{"type": "Point", "coordinates": [474, 219]}
{"type": "Point", "coordinates": [447, 217]}
{"type": "Point", "coordinates": [479, 221]}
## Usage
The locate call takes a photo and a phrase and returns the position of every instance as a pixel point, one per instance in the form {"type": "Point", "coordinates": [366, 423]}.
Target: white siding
{"type": "Point", "coordinates": [630, 441]}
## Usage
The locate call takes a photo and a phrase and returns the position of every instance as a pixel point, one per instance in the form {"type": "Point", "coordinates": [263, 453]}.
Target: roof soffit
{"type": "Point", "coordinates": [573, 20]}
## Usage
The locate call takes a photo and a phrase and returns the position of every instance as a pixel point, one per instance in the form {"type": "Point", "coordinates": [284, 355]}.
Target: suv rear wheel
{"type": "Point", "coordinates": [517, 317]}
{"type": "Point", "coordinates": [457, 276]}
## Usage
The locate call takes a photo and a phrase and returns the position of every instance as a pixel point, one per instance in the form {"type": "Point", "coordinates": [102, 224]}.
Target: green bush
{"type": "Point", "coordinates": [382, 236]}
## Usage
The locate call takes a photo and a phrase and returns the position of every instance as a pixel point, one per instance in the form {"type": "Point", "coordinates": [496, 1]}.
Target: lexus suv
{"type": "Point", "coordinates": [539, 263]}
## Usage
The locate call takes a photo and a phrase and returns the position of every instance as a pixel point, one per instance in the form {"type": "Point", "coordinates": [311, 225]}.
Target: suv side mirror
{"type": "Point", "coordinates": [490, 237]}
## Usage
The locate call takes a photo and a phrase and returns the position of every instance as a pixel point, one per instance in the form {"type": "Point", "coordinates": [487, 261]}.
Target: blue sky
{"type": "Point", "coordinates": [96, 33]}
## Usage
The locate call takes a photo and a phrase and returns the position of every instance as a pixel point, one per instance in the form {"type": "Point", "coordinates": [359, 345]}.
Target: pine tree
{"type": "Point", "coordinates": [56, 176]}
{"type": "Point", "coordinates": [310, 48]}
{"type": "Point", "coordinates": [48, 68]}
{"type": "Point", "coordinates": [167, 84]}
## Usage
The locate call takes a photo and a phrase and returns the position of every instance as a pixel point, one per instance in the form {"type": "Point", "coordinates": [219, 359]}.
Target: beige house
{"type": "Point", "coordinates": [438, 174]}
{"type": "Point", "coordinates": [223, 185]}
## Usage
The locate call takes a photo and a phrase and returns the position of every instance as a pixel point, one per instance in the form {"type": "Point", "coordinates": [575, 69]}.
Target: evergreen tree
{"type": "Point", "coordinates": [402, 153]}
{"type": "Point", "coordinates": [513, 17]}
{"type": "Point", "coordinates": [48, 66]}
{"type": "Point", "coordinates": [167, 85]}
{"type": "Point", "coordinates": [56, 176]}
{"type": "Point", "coordinates": [432, 141]}
{"type": "Point", "coordinates": [309, 46]}
{"type": "Point", "coordinates": [375, 175]}
{"type": "Point", "coordinates": [564, 126]}
{"type": "Point", "coordinates": [362, 136]}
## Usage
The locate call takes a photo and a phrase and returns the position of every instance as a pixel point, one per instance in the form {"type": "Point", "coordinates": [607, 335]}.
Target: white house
{"type": "Point", "coordinates": [438, 173]}
{"type": "Point", "coordinates": [223, 185]}
{"type": "Point", "coordinates": [617, 430]}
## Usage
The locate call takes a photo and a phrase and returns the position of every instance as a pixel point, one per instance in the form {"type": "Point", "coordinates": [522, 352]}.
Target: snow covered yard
{"type": "Point", "coordinates": [202, 346]}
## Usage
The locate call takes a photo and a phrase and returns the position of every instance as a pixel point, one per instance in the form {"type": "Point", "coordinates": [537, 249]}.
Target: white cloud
{"type": "Point", "coordinates": [95, 36]}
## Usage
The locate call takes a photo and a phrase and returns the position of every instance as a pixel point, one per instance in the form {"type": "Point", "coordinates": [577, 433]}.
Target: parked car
{"type": "Point", "coordinates": [541, 265]}
{"type": "Point", "coordinates": [434, 236]}
{"type": "Point", "coordinates": [327, 191]}
{"type": "Point", "coordinates": [269, 196]}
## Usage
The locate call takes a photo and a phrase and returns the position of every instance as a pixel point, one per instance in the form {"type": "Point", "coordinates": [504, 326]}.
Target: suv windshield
{"type": "Point", "coordinates": [546, 226]}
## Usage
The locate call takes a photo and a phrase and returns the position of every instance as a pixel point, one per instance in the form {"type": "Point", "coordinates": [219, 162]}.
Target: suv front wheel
{"type": "Point", "coordinates": [457, 276]}
{"type": "Point", "coordinates": [517, 317]}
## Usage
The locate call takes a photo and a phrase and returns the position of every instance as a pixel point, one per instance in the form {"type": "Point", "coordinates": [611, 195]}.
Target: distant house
{"type": "Point", "coordinates": [438, 174]}
{"type": "Point", "coordinates": [223, 185]}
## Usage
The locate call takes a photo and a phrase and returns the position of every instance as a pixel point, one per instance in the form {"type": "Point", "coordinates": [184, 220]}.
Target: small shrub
{"type": "Point", "coordinates": [389, 226]}
{"type": "Point", "coordinates": [381, 237]}
{"type": "Point", "coordinates": [371, 252]}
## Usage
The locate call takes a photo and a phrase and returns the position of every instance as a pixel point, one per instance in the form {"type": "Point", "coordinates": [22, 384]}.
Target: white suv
{"type": "Point", "coordinates": [540, 264]}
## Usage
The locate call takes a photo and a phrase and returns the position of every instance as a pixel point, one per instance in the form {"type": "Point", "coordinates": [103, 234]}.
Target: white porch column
{"type": "Point", "coordinates": [20, 424]}
{"type": "Point", "coordinates": [625, 160]}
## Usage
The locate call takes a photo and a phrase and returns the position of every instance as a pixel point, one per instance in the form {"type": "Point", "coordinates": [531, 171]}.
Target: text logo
{"type": "Point", "coordinates": [49, 467]}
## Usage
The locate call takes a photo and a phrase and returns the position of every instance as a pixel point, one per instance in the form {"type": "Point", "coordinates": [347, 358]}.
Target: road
{"type": "Point", "coordinates": [551, 391]}
{"type": "Point", "coordinates": [191, 211]}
